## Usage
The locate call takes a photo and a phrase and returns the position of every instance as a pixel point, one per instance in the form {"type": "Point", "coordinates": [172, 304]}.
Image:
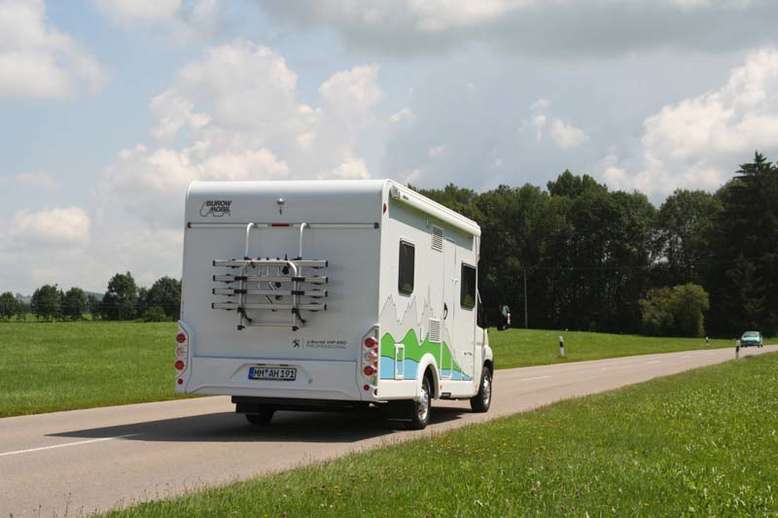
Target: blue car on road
{"type": "Point", "coordinates": [751, 339]}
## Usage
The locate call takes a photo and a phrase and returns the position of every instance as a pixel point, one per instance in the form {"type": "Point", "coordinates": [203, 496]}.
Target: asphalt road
{"type": "Point", "coordinates": [77, 462]}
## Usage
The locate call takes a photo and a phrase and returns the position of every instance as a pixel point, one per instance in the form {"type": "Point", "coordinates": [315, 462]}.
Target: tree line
{"type": "Point", "coordinates": [602, 260]}
{"type": "Point", "coordinates": [123, 300]}
{"type": "Point", "coordinates": [582, 256]}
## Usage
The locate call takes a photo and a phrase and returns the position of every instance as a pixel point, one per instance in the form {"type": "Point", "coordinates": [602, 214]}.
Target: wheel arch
{"type": "Point", "coordinates": [428, 365]}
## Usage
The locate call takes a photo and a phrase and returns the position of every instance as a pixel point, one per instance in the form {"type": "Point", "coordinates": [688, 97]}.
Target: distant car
{"type": "Point", "coordinates": [751, 339]}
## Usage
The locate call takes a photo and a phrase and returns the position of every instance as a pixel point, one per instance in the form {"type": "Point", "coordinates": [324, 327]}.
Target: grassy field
{"type": "Point", "coordinates": [520, 347]}
{"type": "Point", "coordinates": [66, 365]}
{"type": "Point", "coordinates": [699, 443]}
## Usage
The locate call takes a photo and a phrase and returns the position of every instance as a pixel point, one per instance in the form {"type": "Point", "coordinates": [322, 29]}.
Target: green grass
{"type": "Point", "coordinates": [699, 443]}
{"type": "Point", "coordinates": [66, 365]}
{"type": "Point", "coordinates": [523, 347]}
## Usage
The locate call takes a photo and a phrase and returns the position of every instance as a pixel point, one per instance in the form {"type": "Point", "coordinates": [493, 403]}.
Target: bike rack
{"type": "Point", "coordinates": [282, 283]}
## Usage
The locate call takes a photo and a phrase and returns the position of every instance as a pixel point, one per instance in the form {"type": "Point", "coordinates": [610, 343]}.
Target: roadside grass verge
{"type": "Point", "coordinates": [703, 442]}
{"type": "Point", "coordinates": [66, 365]}
{"type": "Point", "coordinates": [524, 347]}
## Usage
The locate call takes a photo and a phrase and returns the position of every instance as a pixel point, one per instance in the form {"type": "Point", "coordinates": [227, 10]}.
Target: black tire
{"type": "Point", "coordinates": [420, 410]}
{"type": "Point", "coordinates": [483, 400]}
{"type": "Point", "coordinates": [262, 417]}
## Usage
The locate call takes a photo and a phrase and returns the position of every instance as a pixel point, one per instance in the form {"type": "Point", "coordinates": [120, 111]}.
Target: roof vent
{"type": "Point", "coordinates": [437, 239]}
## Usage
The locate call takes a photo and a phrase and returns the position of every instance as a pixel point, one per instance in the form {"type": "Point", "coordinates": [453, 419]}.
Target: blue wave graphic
{"type": "Point", "coordinates": [410, 370]}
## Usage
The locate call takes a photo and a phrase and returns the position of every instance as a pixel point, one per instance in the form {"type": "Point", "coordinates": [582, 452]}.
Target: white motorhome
{"type": "Point", "coordinates": [313, 294]}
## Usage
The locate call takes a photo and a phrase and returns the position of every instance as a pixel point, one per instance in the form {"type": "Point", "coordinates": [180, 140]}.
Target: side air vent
{"type": "Point", "coordinates": [434, 330]}
{"type": "Point", "coordinates": [437, 239]}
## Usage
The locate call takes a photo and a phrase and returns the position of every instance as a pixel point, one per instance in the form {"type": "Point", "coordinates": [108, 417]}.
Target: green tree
{"type": "Point", "coordinates": [47, 302]}
{"type": "Point", "coordinates": [143, 302]}
{"type": "Point", "coordinates": [155, 314]}
{"type": "Point", "coordinates": [685, 224]}
{"type": "Point", "coordinates": [743, 278]}
{"type": "Point", "coordinates": [120, 299]}
{"type": "Point", "coordinates": [93, 305]}
{"type": "Point", "coordinates": [165, 293]}
{"type": "Point", "coordinates": [74, 303]}
{"type": "Point", "coordinates": [676, 311]}
{"type": "Point", "coordinates": [9, 306]}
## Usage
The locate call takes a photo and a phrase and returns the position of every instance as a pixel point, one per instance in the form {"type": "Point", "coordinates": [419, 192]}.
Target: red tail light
{"type": "Point", "coordinates": [366, 387]}
{"type": "Point", "coordinates": [370, 342]}
{"type": "Point", "coordinates": [180, 381]}
{"type": "Point", "coordinates": [369, 370]}
{"type": "Point", "coordinates": [180, 338]}
{"type": "Point", "coordinates": [180, 365]}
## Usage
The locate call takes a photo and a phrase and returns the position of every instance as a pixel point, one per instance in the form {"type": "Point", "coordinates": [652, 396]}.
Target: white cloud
{"type": "Point", "coordinates": [182, 19]}
{"type": "Point", "coordinates": [350, 169]}
{"type": "Point", "coordinates": [140, 9]}
{"type": "Point", "coordinates": [566, 135]}
{"type": "Point", "coordinates": [62, 227]}
{"type": "Point", "coordinates": [174, 113]}
{"type": "Point", "coordinates": [36, 181]}
{"type": "Point", "coordinates": [404, 116]}
{"type": "Point", "coordinates": [563, 134]}
{"type": "Point", "coordinates": [235, 114]}
{"type": "Point", "coordinates": [39, 61]}
{"type": "Point", "coordinates": [697, 142]}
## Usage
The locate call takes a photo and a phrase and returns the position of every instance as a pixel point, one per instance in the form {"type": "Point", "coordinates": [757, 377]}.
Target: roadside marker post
{"type": "Point", "coordinates": [562, 346]}
{"type": "Point", "coordinates": [737, 349]}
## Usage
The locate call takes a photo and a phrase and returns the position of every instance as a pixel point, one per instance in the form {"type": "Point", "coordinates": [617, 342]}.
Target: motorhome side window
{"type": "Point", "coordinates": [407, 257]}
{"type": "Point", "coordinates": [467, 293]}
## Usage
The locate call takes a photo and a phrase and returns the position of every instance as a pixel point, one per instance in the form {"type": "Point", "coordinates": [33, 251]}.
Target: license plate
{"type": "Point", "coordinates": [273, 373]}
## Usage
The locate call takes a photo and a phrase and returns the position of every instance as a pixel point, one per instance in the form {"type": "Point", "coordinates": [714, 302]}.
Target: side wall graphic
{"type": "Point", "coordinates": [414, 349]}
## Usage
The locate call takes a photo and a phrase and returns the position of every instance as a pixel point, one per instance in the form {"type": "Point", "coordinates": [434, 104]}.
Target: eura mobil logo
{"type": "Point", "coordinates": [215, 208]}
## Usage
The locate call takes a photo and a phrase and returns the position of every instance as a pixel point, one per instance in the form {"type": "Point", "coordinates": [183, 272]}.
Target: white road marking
{"type": "Point", "coordinates": [67, 444]}
{"type": "Point", "coordinates": [654, 361]}
{"type": "Point", "coordinates": [534, 378]}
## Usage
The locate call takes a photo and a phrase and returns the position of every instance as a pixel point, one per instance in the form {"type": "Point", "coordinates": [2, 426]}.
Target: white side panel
{"type": "Point", "coordinates": [408, 319]}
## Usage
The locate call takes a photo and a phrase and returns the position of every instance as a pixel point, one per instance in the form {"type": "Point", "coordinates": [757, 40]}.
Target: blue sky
{"type": "Point", "coordinates": [110, 107]}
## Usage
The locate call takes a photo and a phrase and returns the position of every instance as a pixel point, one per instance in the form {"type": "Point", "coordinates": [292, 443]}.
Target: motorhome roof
{"type": "Point", "coordinates": [329, 187]}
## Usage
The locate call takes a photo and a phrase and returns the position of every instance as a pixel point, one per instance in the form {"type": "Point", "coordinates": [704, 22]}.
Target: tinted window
{"type": "Point", "coordinates": [407, 257]}
{"type": "Point", "coordinates": [467, 293]}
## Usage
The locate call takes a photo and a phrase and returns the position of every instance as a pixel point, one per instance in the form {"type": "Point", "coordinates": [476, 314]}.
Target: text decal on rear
{"type": "Point", "coordinates": [215, 208]}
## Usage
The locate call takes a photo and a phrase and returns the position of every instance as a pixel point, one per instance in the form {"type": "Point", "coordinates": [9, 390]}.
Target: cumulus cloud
{"type": "Point", "coordinates": [235, 114]}
{"type": "Point", "coordinates": [698, 141]}
{"type": "Point", "coordinates": [537, 26]}
{"type": "Point", "coordinates": [39, 61]}
{"type": "Point", "coordinates": [49, 227]}
{"type": "Point", "coordinates": [563, 134]}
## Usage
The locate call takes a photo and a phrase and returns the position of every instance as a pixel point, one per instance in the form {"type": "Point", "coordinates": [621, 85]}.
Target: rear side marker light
{"type": "Point", "coordinates": [180, 365]}
{"type": "Point", "coordinates": [366, 387]}
{"type": "Point", "coordinates": [369, 370]}
{"type": "Point", "coordinates": [180, 338]}
{"type": "Point", "coordinates": [180, 381]}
